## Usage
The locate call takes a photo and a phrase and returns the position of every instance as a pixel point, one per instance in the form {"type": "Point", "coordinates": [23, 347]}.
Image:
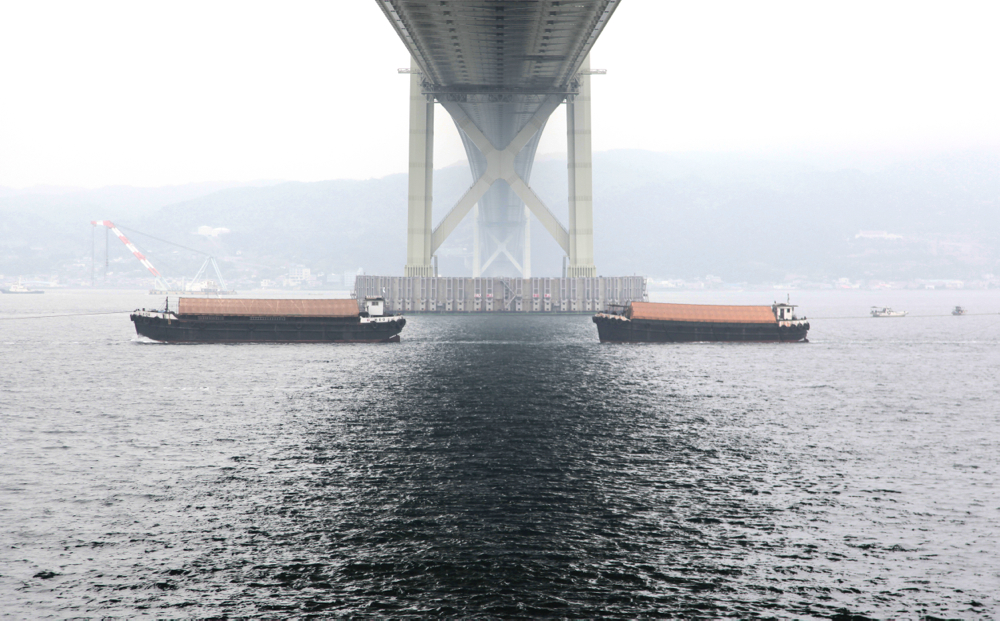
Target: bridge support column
{"type": "Point", "coordinates": [580, 173]}
{"type": "Point", "coordinates": [477, 270]}
{"type": "Point", "coordinates": [421, 177]}
{"type": "Point", "coordinates": [423, 239]}
{"type": "Point", "coordinates": [526, 263]}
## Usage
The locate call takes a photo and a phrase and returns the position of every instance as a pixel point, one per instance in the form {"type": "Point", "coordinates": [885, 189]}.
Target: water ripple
{"type": "Point", "coordinates": [498, 467]}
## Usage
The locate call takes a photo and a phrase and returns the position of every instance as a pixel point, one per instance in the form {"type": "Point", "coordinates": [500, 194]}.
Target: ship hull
{"type": "Point", "coordinates": [614, 329]}
{"type": "Point", "coordinates": [268, 329]}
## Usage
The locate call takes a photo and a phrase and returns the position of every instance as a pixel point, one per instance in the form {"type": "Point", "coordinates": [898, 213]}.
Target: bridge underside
{"type": "Point", "coordinates": [499, 68]}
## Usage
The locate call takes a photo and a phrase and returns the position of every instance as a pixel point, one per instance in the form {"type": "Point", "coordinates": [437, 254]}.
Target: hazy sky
{"type": "Point", "coordinates": [142, 93]}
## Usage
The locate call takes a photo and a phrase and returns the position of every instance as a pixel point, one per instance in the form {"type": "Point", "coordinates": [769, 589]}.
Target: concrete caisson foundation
{"type": "Point", "coordinates": [441, 294]}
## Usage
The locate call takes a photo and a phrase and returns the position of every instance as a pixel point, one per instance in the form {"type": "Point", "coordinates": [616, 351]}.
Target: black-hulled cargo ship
{"type": "Point", "coordinates": [648, 322]}
{"type": "Point", "coordinates": [200, 320]}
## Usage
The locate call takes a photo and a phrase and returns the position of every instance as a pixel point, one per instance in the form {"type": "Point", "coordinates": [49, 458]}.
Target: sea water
{"type": "Point", "coordinates": [504, 466]}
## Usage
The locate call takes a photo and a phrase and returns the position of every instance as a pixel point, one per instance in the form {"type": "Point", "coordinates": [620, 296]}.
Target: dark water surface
{"type": "Point", "coordinates": [503, 466]}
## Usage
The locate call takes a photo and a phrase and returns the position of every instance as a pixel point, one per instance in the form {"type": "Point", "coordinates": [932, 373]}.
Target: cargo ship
{"type": "Point", "coordinates": [649, 322]}
{"type": "Point", "coordinates": [201, 320]}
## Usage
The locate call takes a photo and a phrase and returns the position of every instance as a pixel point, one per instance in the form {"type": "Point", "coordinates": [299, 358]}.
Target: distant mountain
{"type": "Point", "coordinates": [756, 220]}
{"type": "Point", "coordinates": [741, 219]}
{"type": "Point", "coordinates": [44, 230]}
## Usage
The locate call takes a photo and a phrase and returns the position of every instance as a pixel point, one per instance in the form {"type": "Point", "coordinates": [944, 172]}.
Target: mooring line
{"type": "Point", "coordinates": [66, 315]}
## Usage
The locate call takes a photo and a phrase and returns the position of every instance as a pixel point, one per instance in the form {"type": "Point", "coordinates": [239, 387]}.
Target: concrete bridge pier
{"type": "Point", "coordinates": [421, 178]}
{"type": "Point", "coordinates": [580, 173]}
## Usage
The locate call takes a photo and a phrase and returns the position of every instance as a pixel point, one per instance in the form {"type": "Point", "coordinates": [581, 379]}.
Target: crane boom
{"type": "Point", "coordinates": [128, 244]}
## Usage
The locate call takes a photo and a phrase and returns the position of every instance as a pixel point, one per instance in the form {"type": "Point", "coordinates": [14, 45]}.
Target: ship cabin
{"type": "Point", "coordinates": [616, 309]}
{"type": "Point", "coordinates": [784, 312]}
{"type": "Point", "coordinates": [375, 306]}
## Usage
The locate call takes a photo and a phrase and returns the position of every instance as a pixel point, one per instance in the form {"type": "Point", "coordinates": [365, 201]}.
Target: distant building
{"type": "Point", "coordinates": [350, 277]}
{"type": "Point", "coordinates": [876, 235]}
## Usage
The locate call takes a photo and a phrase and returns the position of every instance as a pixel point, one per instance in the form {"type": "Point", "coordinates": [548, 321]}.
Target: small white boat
{"type": "Point", "coordinates": [958, 310]}
{"type": "Point", "coordinates": [19, 288]}
{"type": "Point", "coordinates": [885, 311]}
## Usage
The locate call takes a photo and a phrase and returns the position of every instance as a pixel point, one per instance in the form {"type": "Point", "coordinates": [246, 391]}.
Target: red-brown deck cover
{"type": "Point", "coordinates": [701, 312]}
{"type": "Point", "coordinates": [291, 308]}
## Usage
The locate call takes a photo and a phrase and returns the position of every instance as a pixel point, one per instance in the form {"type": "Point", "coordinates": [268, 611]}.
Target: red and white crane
{"type": "Point", "coordinates": [128, 244]}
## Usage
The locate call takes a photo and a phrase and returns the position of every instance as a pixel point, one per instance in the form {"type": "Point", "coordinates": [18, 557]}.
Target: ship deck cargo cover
{"type": "Point", "coordinates": [267, 308]}
{"type": "Point", "coordinates": [701, 312]}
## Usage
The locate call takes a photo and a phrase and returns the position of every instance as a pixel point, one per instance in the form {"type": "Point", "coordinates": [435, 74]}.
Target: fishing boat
{"type": "Point", "coordinates": [885, 311]}
{"type": "Point", "coordinates": [958, 310]}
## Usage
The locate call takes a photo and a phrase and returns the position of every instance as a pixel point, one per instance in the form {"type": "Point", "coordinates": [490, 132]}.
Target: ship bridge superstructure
{"type": "Point", "coordinates": [499, 68]}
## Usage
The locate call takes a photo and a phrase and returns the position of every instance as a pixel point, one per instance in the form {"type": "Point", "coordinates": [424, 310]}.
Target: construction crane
{"type": "Point", "coordinates": [161, 286]}
{"type": "Point", "coordinates": [142, 258]}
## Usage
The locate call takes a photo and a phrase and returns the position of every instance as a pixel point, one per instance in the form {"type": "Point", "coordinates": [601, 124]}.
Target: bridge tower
{"type": "Point", "coordinates": [499, 68]}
